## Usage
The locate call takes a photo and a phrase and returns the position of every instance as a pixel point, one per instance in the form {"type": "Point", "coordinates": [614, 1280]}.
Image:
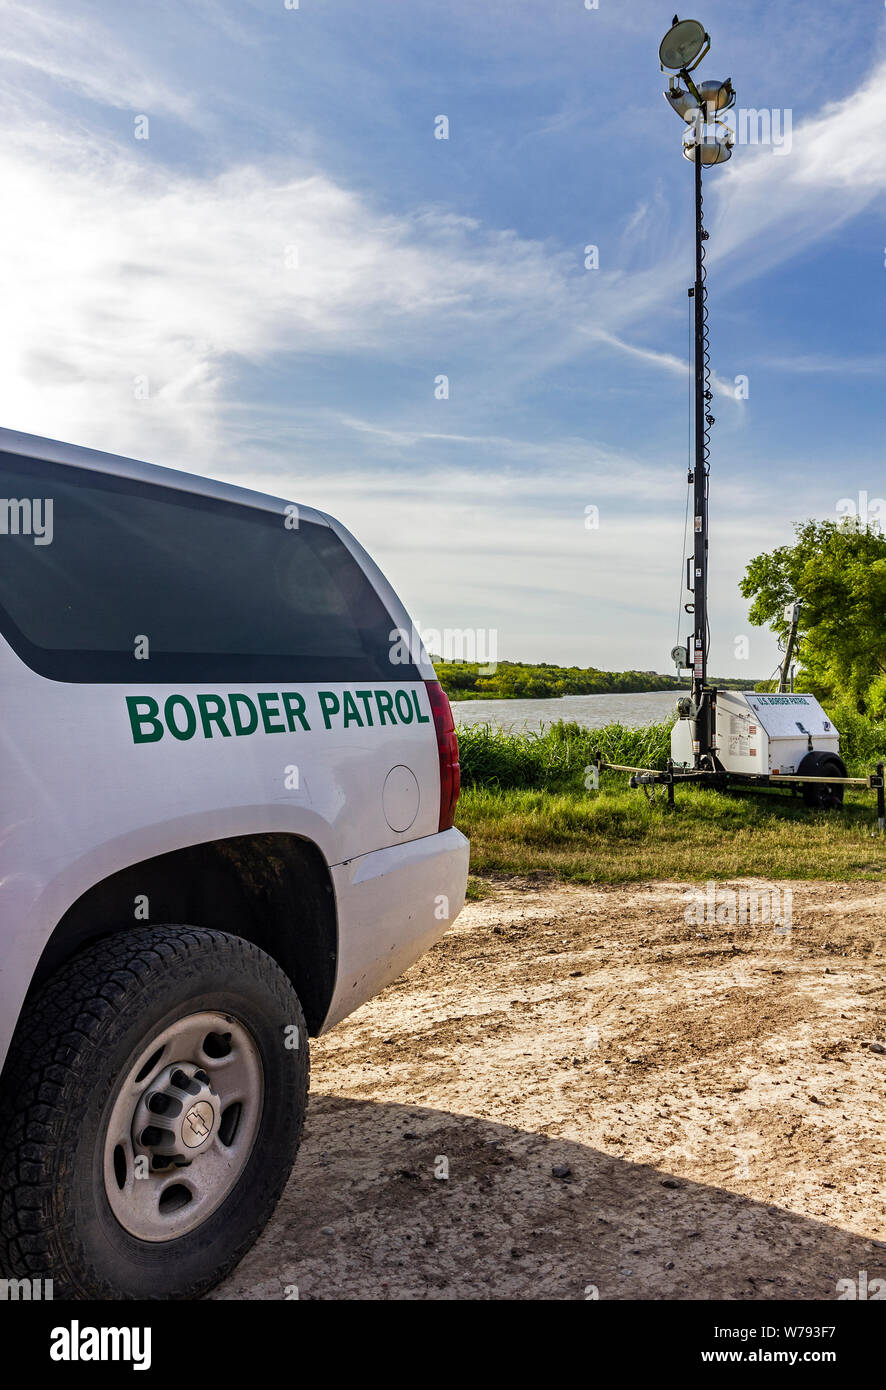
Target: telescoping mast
{"type": "Point", "coordinates": [707, 141]}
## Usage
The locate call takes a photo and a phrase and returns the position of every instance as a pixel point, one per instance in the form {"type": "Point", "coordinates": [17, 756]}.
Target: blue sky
{"type": "Point", "coordinates": [266, 287]}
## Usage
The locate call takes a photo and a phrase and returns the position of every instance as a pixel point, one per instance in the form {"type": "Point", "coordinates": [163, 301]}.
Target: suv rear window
{"type": "Point", "coordinates": [221, 591]}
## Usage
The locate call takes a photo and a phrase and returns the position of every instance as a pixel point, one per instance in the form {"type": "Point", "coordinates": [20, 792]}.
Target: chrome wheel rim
{"type": "Point", "coordinates": [182, 1126]}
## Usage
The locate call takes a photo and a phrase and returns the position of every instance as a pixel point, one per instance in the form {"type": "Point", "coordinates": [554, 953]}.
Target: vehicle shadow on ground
{"type": "Point", "coordinates": [365, 1215]}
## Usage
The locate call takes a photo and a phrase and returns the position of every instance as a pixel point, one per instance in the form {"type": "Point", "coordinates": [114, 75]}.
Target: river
{"type": "Point", "coordinates": [591, 711]}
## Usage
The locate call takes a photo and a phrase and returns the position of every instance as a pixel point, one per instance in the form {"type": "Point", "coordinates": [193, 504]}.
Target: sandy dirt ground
{"type": "Point", "coordinates": [580, 1094]}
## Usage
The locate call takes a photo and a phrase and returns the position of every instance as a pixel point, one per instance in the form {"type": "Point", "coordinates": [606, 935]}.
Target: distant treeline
{"type": "Point", "coordinates": [511, 680]}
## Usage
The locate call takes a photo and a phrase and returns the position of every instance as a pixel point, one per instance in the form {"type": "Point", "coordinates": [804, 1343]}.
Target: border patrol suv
{"type": "Point", "coordinates": [226, 820]}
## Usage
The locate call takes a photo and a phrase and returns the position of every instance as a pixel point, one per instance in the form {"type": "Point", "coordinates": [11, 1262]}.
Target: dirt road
{"type": "Point", "coordinates": [624, 1102]}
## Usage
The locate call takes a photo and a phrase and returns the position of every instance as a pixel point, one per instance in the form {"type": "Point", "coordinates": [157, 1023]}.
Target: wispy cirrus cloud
{"type": "Point", "coordinates": [516, 553]}
{"type": "Point", "coordinates": [84, 56]}
{"type": "Point", "coordinates": [668, 361]}
{"type": "Point", "coordinates": [805, 364]}
{"type": "Point", "coordinates": [164, 284]}
{"type": "Point", "coordinates": [169, 280]}
{"type": "Point", "coordinates": [770, 208]}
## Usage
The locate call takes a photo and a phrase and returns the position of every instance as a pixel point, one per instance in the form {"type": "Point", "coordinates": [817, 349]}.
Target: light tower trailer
{"type": "Point", "coordinates": [762, 747]}
{"type": "Point", "coordinates": [775, 739]}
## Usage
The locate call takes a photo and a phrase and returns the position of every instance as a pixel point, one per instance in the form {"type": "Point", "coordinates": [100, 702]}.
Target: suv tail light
{"type": "Point", "coordinates": [447, 747]}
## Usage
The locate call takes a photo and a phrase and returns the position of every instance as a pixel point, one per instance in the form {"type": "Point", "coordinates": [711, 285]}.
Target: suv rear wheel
{"type": "Point", "coordinates": [153, 1103]}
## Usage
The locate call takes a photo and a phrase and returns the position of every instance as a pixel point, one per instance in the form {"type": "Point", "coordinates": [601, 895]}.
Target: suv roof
{"type": "Point", "coordinates": [54, 451]}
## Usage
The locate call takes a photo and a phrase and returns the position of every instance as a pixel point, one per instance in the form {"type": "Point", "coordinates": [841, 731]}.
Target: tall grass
{"type": "Point", "coordinates": [557, 758]}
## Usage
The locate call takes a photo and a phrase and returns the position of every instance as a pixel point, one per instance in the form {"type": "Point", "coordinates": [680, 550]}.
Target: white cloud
{"type": "Point", "coordinates": [807, 364]}
{"type": "Point", "coordinates": [134, 294]}
{"type": "Point", "coordinates": [510, 550]}
{"type": "Point", "coordinates": [83, 56]}
{"type": "Point", "coordinates": [118, 271]}
{"type": "Point", "coordinates": [175, 280]}
{"type": "Point", "coordinates": [770, 206]}
{"type": "Point", "coordinates": [668, 361]}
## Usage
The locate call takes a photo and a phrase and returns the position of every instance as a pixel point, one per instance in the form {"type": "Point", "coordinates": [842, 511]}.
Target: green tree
{"type": "Point", "coordinates": [838, 571]}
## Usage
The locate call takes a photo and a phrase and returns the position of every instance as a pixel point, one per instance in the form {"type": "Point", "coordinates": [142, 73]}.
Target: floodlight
{"type": "Point", "coordinates": [715, 149]}
{"type": "Point", "coordinates": [683, 46]}
{"type": "Point", "coordinates": [717, 96]}
{"type": "Point", "coordinates": [683, 103]}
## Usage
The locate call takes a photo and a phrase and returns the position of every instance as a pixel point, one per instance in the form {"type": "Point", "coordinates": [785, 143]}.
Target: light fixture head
{"type": "Point", "coordinates": [684, 45]}
{"type": "Point", "coordinates": [683, 103]}
{"type": "Point", "coordinates": [717, 96]}
{"type": "Point", "coordinates": [711, 149]}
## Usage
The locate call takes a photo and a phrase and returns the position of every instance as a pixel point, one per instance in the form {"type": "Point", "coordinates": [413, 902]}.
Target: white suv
{"type": "Point", "coordinates": [226, 820]}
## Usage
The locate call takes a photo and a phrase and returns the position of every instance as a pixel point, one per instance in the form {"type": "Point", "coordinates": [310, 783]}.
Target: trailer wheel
{"type": "Point", "coordinates": [822, 796]}
{"type": "Point", "coordinates": [152, 1107]}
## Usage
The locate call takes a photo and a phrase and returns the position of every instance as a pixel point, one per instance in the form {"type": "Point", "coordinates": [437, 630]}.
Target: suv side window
{"type": "Point", "coordinates": [221, 591]}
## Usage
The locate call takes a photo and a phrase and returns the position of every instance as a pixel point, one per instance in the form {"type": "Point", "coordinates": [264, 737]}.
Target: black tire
{"type": "Point", "coordinates": [74, 1047]}
{"type": "Point", "coordinates": [822, 796]}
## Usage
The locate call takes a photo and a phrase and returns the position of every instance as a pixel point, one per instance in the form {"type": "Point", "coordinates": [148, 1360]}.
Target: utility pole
{"type": "Point", "coordinates": [792, 613]}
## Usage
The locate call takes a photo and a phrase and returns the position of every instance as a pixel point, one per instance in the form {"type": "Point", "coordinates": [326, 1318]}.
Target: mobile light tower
{"type": "Point", "coordinates": [731, 738]}
{"type": "Point", "coordinates": [708, 141]}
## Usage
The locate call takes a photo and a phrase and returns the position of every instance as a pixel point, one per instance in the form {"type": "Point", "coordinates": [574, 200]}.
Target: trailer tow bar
{"type": "Point", "coordinates": [650, 778]}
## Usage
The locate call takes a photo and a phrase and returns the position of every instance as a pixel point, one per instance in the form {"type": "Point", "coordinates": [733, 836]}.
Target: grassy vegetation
{"type": "Point", "coordinates": [527, 811]}
{"type": "Point", "coordinates": [614, 835]}
{"type": "Point", "coordinates": [558, 758]}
